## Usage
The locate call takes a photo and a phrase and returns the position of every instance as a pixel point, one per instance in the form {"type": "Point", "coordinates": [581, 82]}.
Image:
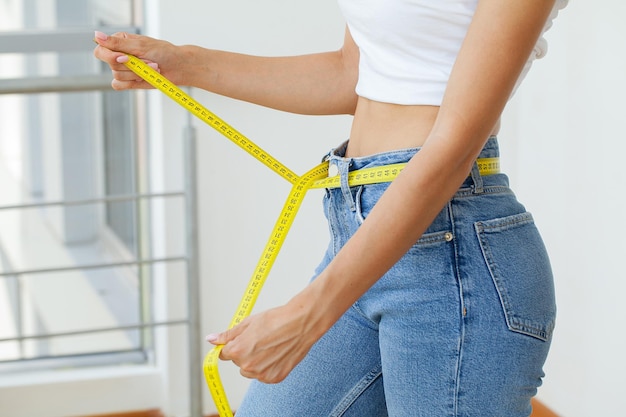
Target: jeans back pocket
{"type": "Point", "coordinates": [520, 269]}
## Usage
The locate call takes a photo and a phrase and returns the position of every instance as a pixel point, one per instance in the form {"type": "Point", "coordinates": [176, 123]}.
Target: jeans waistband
{"type": "Point", "coordinates": [341, 165]}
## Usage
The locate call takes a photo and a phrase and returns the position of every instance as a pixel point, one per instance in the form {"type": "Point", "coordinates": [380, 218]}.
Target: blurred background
{"type": "Point", "coordinates": [128, 230]}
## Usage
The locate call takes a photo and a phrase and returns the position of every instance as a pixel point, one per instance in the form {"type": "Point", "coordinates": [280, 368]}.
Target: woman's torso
{"type": "Point", "coordinates": [401, 65]}
{"type": "Point", "coordinates": [381, 127]}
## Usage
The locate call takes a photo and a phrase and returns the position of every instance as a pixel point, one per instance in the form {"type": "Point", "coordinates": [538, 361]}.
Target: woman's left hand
{"type": "Point", "coordinates": [268, 345]}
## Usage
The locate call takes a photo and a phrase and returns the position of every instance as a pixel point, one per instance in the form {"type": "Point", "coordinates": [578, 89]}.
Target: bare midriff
{"type": "Point", "coordinates": [381, 127]}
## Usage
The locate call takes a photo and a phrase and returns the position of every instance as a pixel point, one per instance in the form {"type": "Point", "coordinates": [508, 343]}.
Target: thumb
{"type": "Point", "coordinates": [225, 336]}
{"type": "Point", "coordinates": [119, 42]}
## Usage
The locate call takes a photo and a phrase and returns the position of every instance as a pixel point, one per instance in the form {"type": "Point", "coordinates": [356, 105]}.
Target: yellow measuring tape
{"type": "Point", "coordinates": [315, 178]}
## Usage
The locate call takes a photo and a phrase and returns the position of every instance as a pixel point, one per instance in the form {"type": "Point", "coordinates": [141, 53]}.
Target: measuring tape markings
{"type": "Point", "coordinates": [488, 166]}
{"type": "Point", "coordinates": [387, 173]}
{"type": "Point", "coordinates": [161, 83]}
{"type": "Point", "coordinates": [315, 178]}
{"type": "Point", "coordinates": [214, 382]}
{"type": "Point", "coordinates": [363, 176]}
{"type": "Point", "coordinates": [277, 238]}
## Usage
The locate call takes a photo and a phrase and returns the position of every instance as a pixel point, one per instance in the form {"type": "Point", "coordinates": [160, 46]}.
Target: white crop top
{"type": "Point", "coordinates": [407, 47]}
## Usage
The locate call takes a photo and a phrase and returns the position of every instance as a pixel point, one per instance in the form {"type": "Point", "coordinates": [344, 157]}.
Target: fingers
{"type": "Point", "coordinates": [126, 75]}
{"type": "Point", "coordinates": [112, 50]}
{"type": "Point", "coordinates": [229, 353]}
{"type": "Point", "coordinates": [105, 51]}
{"type": "Point", "coordinates": [120, 42]}
{"type": "Point", "coordinates": [255, 358]}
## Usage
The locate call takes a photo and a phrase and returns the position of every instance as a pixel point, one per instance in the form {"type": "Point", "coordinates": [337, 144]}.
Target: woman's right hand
{"type": "Point", "coordinates": [160, 55]}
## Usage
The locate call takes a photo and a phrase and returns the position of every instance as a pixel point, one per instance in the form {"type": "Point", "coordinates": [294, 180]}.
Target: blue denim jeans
{"type": "Point", "coordinates": [460, 326]}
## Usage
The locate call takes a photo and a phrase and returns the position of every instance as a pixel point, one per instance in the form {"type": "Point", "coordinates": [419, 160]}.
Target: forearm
{"type": "Point", "coordinates": [321, 83]}
{"type": "Point", "coordinates": [315, 84]}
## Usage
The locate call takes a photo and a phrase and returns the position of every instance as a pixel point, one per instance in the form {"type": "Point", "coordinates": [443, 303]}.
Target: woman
{"type": "Point", "coordinates": [435, 296]}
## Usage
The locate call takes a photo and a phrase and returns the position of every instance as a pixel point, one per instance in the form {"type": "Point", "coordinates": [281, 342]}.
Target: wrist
{"type": "Point", "coordinates": [317, 312]}
{"type": "Point", "coordinates": [194, 67]}
{"type": "Point", "coordinates": [188, 70]}
{"type": "Point", "coordinates": [321, 305]}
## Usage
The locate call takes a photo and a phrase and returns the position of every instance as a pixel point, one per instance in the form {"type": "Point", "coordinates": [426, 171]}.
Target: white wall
{"type": "Point", "coordinates": [564, 145]}
{"type": "Point", "coordinates": [562, 140]}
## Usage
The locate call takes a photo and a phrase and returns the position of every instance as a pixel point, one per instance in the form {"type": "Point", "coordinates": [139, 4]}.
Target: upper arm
{"type": "Point", "coordinates": [349, 53]}
{"type": "Point", "coordinates": [497, 45]}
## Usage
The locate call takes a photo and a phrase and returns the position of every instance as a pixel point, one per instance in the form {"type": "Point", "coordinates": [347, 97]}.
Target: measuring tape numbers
{"type": "Point", "coordinates": [155, 79]}
{"type": "Point", "coordinates": [315, 178]}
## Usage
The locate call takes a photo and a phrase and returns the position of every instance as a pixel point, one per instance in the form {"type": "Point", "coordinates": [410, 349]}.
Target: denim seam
{"type": "Point", "coordinates": [356, 391]}
{"type": "Point", "coordinates": [457, 374]}
{"type": "Point", "coordinates": [344, 169]}
{"type": "Point", "coordinates": [505, 223]}
{"type": "Point", "coordinates": [359, 210]}
{"type": "Point", "coordinates": [356, 307]}
{"type": "Point", "coordinates": [331, 224]}
{"type": "Point", "coordinates": [478, 186]}
{"type": "Point", "coordinates": [434, 237]}
{"type": "Point", "coordinates": [513, 321]}
{"type": "Point", "coordinates": [493, 189]}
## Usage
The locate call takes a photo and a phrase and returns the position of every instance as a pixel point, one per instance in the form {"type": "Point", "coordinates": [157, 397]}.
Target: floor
{"type": "Point", "coordinates": [539, 410]}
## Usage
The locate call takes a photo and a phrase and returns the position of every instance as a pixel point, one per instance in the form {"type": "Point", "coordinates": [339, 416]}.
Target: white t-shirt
{"type": "Point", "coordinates": [408, 47]}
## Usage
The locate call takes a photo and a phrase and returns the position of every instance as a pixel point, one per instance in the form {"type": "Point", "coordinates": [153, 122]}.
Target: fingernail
{"type": "Point", "coordinates": [121, 59]}
{"type": "Point", "coordinates": [211, 338]}
{"type": "Point", "coordinates": [154, 65]}
{"type": "Point", "coordinates": [100, 36]}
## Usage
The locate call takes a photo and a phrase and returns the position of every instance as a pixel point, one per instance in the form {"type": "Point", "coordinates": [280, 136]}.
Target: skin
{"type": "Point", "coordinates": [268, 345]}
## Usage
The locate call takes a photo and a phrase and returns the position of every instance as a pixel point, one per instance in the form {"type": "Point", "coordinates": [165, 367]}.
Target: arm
{"type": "Point", "coordinates": [499, 41]}
{"type": "Point", "coordinates": [321, 83]}
{"type": "Point", "coordinates": [496, 47]}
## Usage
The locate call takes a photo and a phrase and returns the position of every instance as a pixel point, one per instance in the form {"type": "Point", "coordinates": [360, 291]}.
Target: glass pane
{"type": "Point", "coordinates": [69, 149]}
{"type": "Point", "coordinates": [119, 166]}
{"type": "Point", "coordinates": [53, 14]}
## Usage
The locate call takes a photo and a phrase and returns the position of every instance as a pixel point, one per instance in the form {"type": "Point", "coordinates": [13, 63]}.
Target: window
{"type": "Point", "coordinates": [87, 277]}
{"type": "Point", "coordinates": [62, 155]}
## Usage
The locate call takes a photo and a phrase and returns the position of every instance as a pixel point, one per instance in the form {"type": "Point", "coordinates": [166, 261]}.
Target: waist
{"type": "Point", "coordinates": [366, 170]}
{"type": "Point", "coordinates": [379, 127]}
{"type": "Point", "coordinates": [339, 155]}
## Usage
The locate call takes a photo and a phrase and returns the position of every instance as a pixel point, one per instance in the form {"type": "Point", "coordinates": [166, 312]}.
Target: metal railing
{"type": "Point", "coordinates": [80, 40]}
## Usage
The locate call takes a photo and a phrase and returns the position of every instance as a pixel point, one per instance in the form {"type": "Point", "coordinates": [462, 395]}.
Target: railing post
{"type": "Point", "coordinates": [193, 274]}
